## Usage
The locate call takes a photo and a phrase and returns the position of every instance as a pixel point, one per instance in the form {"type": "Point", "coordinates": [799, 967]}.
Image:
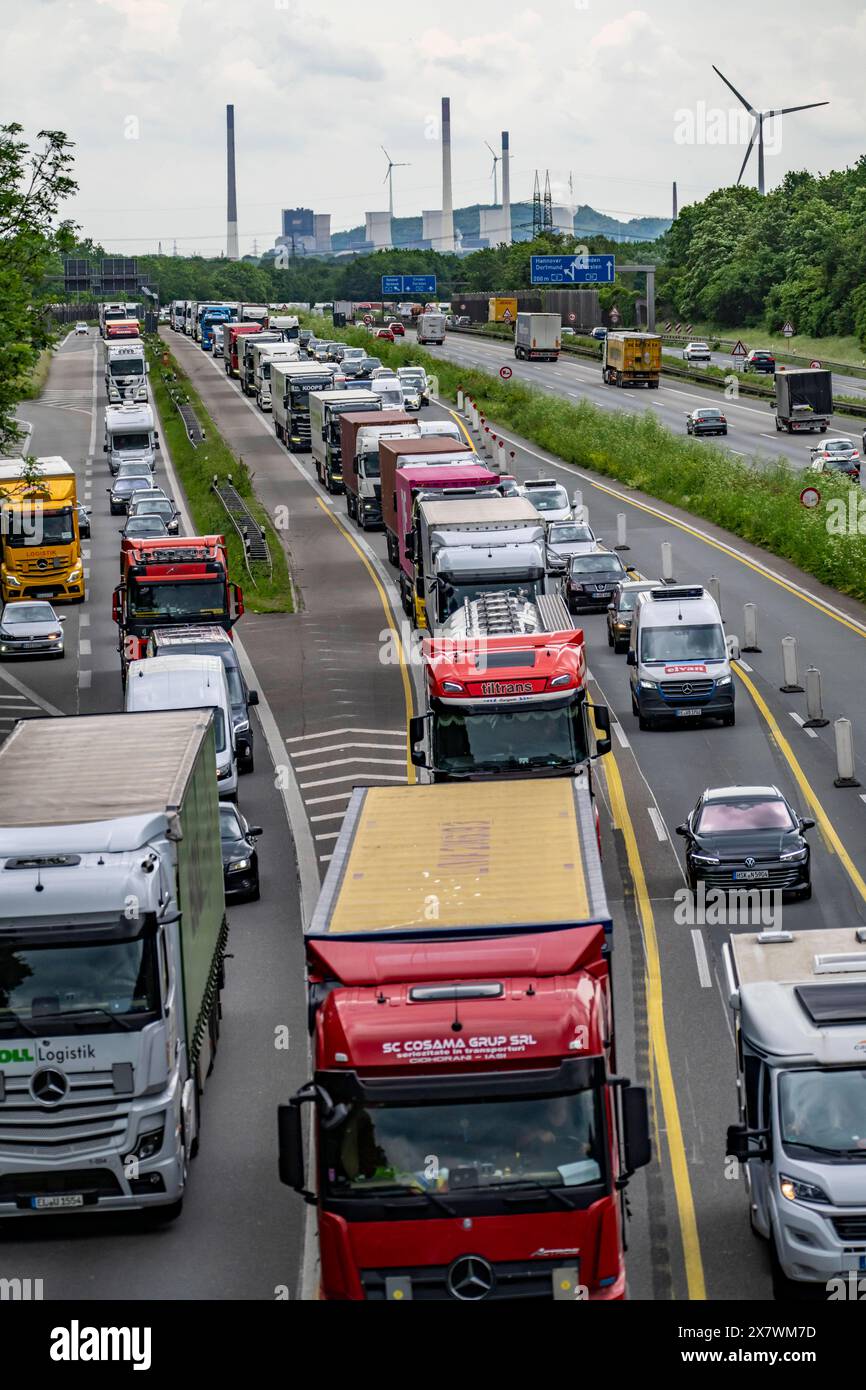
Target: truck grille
{"type": "Point", "coordinates": [60, 562]}
{"type": "Point", "coordinates": [90, 1180]}
{"type": "Point", "coordinates": [687, 690]}
{"type": "Point", "coordinates": [851, 1228]}
{"type": "Point", "coordinates": [91, 1117]}
{"type": "Point", "coordinates": [512, 1280]}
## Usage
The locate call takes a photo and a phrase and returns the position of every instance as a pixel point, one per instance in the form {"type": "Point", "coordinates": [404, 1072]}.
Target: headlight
{"type": "Point", "coordinates": [15, 583]}
{"type": "Point", "coordinates": [74, 575]}
{"type": "Point", "coordinates": [723, 680]}
{"type": "Point", "coordinates": [238, 865]}
{"type": "Point", "coordinates": [242, 726]}
{"type": "Point", "coordinates": [150, 1142]}
{"type": "Point", "coordinates": [649, 685]}
{"type": "Point", "coordinates": [224, 773]}
{"type": "Point", "coordinates": [54, 636]}
{"type": "Point", "coordinates": [704, 859]}
{"type": "Point", "coordinates": [799, 854]}
{"type": "Point", "coordinates": [798, 1191]}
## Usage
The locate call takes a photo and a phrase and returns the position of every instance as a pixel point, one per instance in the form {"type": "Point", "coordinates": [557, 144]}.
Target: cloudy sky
{"type": "Point", "coordinates": [623, 98]}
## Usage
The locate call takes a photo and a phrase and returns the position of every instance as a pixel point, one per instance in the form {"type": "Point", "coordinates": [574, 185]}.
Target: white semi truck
{"type": "Point", "coordinates": [799, 1006]}
{"type": "Point", "coordinates": [126, 371]}
{"type": "Point", "coordinates": [112, 944]}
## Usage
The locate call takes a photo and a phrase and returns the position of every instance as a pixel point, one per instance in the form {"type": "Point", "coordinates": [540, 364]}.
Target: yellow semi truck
{"type": "Point", "coordinates": [632, 359]}
{"type": "Point", "coordinates": [41, 542]}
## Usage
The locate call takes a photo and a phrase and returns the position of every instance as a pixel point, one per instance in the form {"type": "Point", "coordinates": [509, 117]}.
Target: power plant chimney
{"type": "Point", "coordinates": [447, 235]}
{"type": "Point", "coordinates": [675, 200]}
{"type": "Point", "coordinates": [506, 188]}
{"type": "Point", "coordinates": [232, 212]}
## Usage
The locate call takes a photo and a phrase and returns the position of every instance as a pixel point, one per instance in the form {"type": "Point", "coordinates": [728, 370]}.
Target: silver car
{"type": "Point", "coordinates": [30, 627]}
{"type": "Point", "coordinates": [156, 504]}
{"type": "Point", "coordinates": [569, 538]}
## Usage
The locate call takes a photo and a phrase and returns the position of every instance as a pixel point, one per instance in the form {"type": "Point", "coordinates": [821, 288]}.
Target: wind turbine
{"type": "Point", "coordinates": [389, 177]}
{"type": "Point", "coordinates": [497, 158]}
{"type": "Point", "coordinates": [758, 128]}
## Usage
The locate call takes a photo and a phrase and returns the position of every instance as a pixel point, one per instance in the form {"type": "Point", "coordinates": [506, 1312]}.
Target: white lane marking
{"type": "Point", "coordinates": [30, 695]}
{"type": "Point", "coordinates": [86, 572]}
{"type": "Point", "coordinates": [744, 665]}
{"type": "Point", "coordinates": [326, 859]}
{"type": "Point", "coordinates": [347, 762]}
{"type": "Point", "coordinates": [85, 554]}
{"type": "Point", "coordinates": [863, 796]}
{"type": "Point", "coordinates": [331, 835]}
{"type": "Point", "coordinates": [341, 748]}
{"type": "Point", "coordinates": [84, 680]}
{"type": "Point", "coordinates": [620, 733]}
{"type": "Point", "coordinates": [797, 718]}
{"type": "Point", "coordinates": [331, 815]}
{"type": "Point", "coordinates": [352, 777]}
{"type": "Point", "coordinates": [323, 800]}
{"type": "Point", "coordinates": [701, 958]}
{"type": "Point", "coordinates": [658, 824]}
{"type": "Point", "coordinates": [84, 648]}
{"type": "Point", "coordinates": [84, 620]}
{"type": "Point", "coordinates": [91, 447]}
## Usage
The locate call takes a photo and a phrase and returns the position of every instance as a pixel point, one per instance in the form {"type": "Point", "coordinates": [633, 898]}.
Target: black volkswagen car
{"type": "Point", "coordinates": [747, 837]}
{"type": "Point", "coordinates": [240, 859]}
{"type": "Point", "coordinates": [592, 579]}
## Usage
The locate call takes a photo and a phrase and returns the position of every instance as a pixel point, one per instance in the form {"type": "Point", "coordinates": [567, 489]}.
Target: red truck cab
{"type": "Point", "coordinates": [472, 1136]}
{"type": "Point", "coordinates": [231, 335]}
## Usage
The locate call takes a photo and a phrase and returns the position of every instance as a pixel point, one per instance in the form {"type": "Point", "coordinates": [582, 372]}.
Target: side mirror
{"type": "Point", "coordinates": [807, 824]}
{"type": "Point", "coordinates": [636, 1132]}
{"type": "Point", "coordinates": [601, 716]}
{"type": "Point", "coordinates": [156, 441]}
{"type": "Point", "coordinates": [255, 831]}
{"type": "Point", "coordinates": [743, 1143]}
{"type": "Point", "coordinates": [105, 448]}
{"type": "Point", "coordinates": [409, 548]}
{"type": "Point", "coordinates": [682, 830]}
{"type": "Point", "coordinates": [417, 729]}
{"type": "Point", "coordinates": [252, 697]}
{"type": "Point", "coordinates": [631, 659]}
{"type": "Point", "coordinates": [291, 1147]}
{"type": "Point", "coordinates": [733, 645]}
{"type": "Point", "coordinates": [61, 617]}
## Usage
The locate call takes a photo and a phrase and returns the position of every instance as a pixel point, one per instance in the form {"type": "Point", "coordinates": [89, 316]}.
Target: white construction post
{"type": "Point", "coordinates": [845, 767]}
{"type": "Point", "coordinates": [716, 590]}
{"type": "Point", "coordinates": [621, 542]}
{"type": "Point", "coordinates": [667, 562]}
{"type": "Point", "coordinates": [750, 627]}
{"type": "Point", "coordinates": [814, 701]}
{"type": "Point", "coordinates": [791, 667]}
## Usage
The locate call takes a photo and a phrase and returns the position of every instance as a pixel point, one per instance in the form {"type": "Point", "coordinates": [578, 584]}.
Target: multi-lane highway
{"type": "Point", "coordinates": [751, 422]}
{"type": "Point", "coordinates": [843, 385]}
{"type": "Point", "coordinates": [334, 711]}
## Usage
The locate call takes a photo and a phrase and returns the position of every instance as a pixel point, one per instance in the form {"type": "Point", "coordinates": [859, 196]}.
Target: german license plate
{"type": "Point", "coordinates": [742, 875]}
{"type": "Point", "coordinates": [65, 1199]}
{"type": "Point", "coordinates": [688, 714]}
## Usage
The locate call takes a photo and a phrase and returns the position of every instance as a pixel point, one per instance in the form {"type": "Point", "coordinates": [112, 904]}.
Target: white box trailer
{"type": "Point", "coordinates": [538, 337]}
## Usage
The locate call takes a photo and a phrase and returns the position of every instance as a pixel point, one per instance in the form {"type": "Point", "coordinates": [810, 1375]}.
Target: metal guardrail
{"type": "Point", "coordinates": [798, 359]}
{"type": "Point", "coordinates": [256, 548]}
{"type": "Point", "coordinates": [180, 401]}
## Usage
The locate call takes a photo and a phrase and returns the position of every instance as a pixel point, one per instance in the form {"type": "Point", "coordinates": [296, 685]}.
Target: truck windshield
{"type": "Point", "coordinates": [127, 366]}
{"type": "Point", "coordinates": [703, 643]}
{"type": "Point", "coordinates": [62, 990]}
{"type": "Point", "coordinates": [370, 464]}
{"type": "Point", "coordinates": [513, 738]}
{"type": "Point", "coordinates": [824, 1111]}
{"type": "Point", "coordinates": [40, 528]}
{"type": "Point", "coordinates": [455, 594]}
{"type": "Point", "coordinates": [138, 440]}
{"type": "Point", "coordinates": [194, 600]}
{"type": "Point", "coordinates": [552, 1141]}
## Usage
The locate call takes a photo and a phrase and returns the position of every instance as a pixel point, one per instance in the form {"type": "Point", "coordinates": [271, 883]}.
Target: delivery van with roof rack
{"type": "Point", "coordinates": [679, 657]}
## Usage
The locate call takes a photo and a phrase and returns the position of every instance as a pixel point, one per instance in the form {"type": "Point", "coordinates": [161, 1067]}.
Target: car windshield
{"type": "Point", "coordinates": [551, 1141]}
{"type": "Point", "coordinates": [698, 642]}
{"type": "Point", "coordinates": [152, 506]}
{"type": "Point", "coordinates": [511, 738]}
{"type": "Point", "coordinates": [731, 817]}
{"type": "Point", "coordinates": [627, 600]}
{"type": "Point", "coordinates": [707, 414]}
{"type": "Point", "coordinates": [230, 826]}
{"type": "Point", "coordinates": [824, 1110]}
{"type": "Point", "coordinates": [408, 374]}
{"type": "Point", "coordinates": [550, 500]}
{"type": "Point", "coordinates": [15, 613]}
{"type": "Point", "coordinates": [838, 446]}
{"type": "Point", "coordinates": [123, 486]}
{"type": "Point", "coordinates": [559, 535]}
{"type": "Point", "coordinates": [137, 439]}
{"type": "Point", "coordinates": [145, 526]}
{"type": "Point", "coordinates": [51, 990]}
{"type": "Point", "coordinates": [597, 564]}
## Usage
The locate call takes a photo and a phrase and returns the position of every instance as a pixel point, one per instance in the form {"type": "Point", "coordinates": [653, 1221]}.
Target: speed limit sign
{"type": "Point", "coordinates": [506, 373]}
{"type": "Point", "coordinates": [810, 497]}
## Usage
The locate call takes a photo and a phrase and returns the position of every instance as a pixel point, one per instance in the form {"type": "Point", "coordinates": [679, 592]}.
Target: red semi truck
{"type": "Point", "coordinates": [472, 1139]}
{"type": "Point", "coordinates": [231, 334]}
{"type": "Point", "coordinates": [170, 583]}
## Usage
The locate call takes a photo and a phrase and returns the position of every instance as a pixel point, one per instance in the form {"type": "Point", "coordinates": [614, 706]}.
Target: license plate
{"type": "Point", "coordinates": [688, 714]}
{"type": "Point", "coordinates": [750, 874]}
{"type": "Point", "coordinates": [66, 1199]}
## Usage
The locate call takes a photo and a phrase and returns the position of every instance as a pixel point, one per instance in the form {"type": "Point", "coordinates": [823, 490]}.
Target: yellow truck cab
{"type": "Point", "coordinates": [632, 359]}
{"type": "Point", "coordinates": [41, 544]}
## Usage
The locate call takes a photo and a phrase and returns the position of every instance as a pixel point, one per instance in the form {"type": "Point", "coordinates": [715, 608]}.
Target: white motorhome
{"type": "Point", "coordinates": [189, 682]}
{"type": "Point", "coordinates": [130, 436]}
{"type": "Point", "coordinates": [126, 371]}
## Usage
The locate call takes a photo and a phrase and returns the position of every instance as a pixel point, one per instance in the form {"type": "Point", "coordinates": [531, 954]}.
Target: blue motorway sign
{"type": "Point", "coordinates": [573, 270]}
{"type": "Point", "coordinates": [408, 284]}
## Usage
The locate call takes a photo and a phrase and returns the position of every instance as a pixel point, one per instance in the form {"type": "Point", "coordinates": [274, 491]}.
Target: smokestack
{"type": "Point", "coordinates": [675, 200]}
{"type": "Point", "coordinates": [232, 211]}
{"type": "Point", "coordinates": [447, 239]}
{"type": "Point", "coordinates": [506, 189]}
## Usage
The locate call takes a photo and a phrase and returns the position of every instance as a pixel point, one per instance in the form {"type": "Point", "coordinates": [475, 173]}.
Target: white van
{"type": "Point", "coordinates": [389, 391]}
{"type": "Point", "coordinates": [446, 429]}
{"type": "Point", "coordinates": [189, 682]}
{"type": "Point", "coordinates": [679, 658]}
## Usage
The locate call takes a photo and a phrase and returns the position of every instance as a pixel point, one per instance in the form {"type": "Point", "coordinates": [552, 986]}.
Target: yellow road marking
{"type": "Point", "coordinates": [469, 440]}
{"type": "Point", "coordinates": [825, 825]}
{"type": "Point", "coordinates": [658, 1036]}
{"type": "Point", "coordinates": [390, 618]}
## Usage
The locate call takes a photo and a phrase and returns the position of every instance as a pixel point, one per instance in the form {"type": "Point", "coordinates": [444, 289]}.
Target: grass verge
{"type": "Point", "coordinates": [33, 385]}
{"type": "Point", "coordinates": [196, 468]}
{"type": "Point", "coordinates": [762, 505]}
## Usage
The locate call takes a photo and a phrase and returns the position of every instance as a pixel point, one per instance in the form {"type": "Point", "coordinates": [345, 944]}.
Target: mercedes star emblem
{"type": "Point", "coordinates": [49, 1086]}
{"type": "Point", "coordinates": [687, 689]}
{"type": "Point", "coordinates": [470, 1278]}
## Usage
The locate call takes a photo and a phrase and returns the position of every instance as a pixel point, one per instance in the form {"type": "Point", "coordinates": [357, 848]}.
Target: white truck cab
{"type": "Point", "coordinates": [799, 1006]}
{"type": "Point", "coordinates": [679, 657]}
{"type": "Point", "coordinates": [126, 372]}
{"type": "Point", "coordinates": [264, 355]}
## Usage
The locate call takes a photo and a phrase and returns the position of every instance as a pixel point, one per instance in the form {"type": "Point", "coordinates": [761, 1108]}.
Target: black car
{"type": "Point", "coordinates": [707, 420]}
{"type": "Point", "coordinates": [122, 489]}
{"type": "Point", "coordinates": [240, 859]}
{"type": "Point", "coordinates": [747, 837]}
{"type": "Point", "coordinates": [367, 366]}
{"type": "Point", "coordinates": [592, 579]}
{"type": "Point", "coordinates": [620, 611]}
{"type": "Point", "coordinates": [759, 360]}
